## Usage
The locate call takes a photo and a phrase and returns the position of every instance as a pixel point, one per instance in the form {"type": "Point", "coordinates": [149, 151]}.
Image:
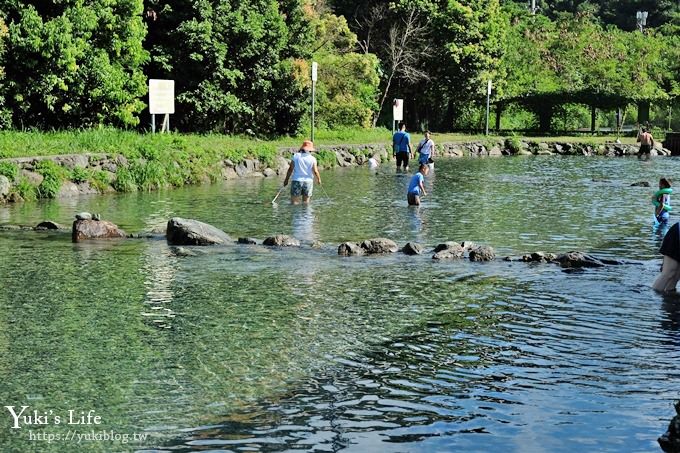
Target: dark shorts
{"type": "Point", "coordinates": [671, 243]}
{"type": "Point", "coordinates": [413, 199]}
{"type": "Point", "coordinates": [402, 157]}
{"type": "Point", "coordinates": [645, 149]}
{"type": "Point", "coordinates": [301, 188]}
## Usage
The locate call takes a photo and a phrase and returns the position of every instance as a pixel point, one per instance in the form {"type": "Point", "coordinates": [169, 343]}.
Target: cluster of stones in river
{"type": "Point", "coordinates": [181, 232]}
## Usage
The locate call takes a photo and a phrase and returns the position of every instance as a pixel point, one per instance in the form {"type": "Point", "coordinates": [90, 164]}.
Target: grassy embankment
{"type": "Point", "coordinates": [172, 160]}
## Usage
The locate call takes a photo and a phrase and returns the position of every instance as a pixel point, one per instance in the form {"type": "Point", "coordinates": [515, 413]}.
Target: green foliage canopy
{"type": "Point", "coordinates": [73, 63]}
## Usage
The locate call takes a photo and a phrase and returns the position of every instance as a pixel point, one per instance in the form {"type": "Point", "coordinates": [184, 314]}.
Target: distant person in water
{"type": "Point", "coordinates": [401, 146]}
{"type": "Point", "coordinates": [662, 201]}
{"type": "Point", "coordinates": [304, 170]}
{"type": "Point", "coordinates": [646, 143]}
{"type": "Point", "coordinates": [425, 150]}
{"type": "Point", "coordinates": [416, 187]}
{"type": "Point", "coordinates": [670, 269]}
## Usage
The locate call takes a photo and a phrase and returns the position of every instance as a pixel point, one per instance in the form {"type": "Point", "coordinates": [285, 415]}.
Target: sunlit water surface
{"type": "Point", "coordinates": [244, 348]}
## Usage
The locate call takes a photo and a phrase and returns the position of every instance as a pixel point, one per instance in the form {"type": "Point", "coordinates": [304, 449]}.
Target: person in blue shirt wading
{"type": "Point", "coordinates": [401, 146]}
{"type": "Point", "coordinates": [416, 187]}
{"type": "Point", "coordinates": [303, 169]}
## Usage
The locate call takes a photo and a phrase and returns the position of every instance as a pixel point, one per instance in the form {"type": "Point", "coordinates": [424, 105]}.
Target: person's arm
{"type": "Point", "coordinates": [291, 167]}
{"type": "Point", "coordinates": [432, 149]}
{"type": "Point", "coordinates": [422, 187]}
{"type": "Point", "coordinates": [651, 140]}
{"type": "Point", "coordinates": [410, 148]}
{"type": "Point", "coordinates": [639, 136]}
{"type": "Point", "coordinates": [315, 170]}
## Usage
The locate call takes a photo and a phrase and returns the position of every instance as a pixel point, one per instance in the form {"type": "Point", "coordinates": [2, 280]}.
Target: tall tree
{"type": "Point", "coordinates": [74, 63]}
{"type": "Point", "coordinates": [233, 62]}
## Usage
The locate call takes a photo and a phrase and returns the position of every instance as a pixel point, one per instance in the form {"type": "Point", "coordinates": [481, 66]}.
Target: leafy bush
{"type": "Point", "coordinates": [124, 181]}
{"type": "Point", "coordinates": [326, 158]}
{"type": "Point", "coordinates": [513, 144]}
{"type": "Point", "coordinates": [10, 170]}
{"type": "Point", "coordinates": [80, 175]}
{"type": "Point", "coordinates": [100, 180]}
{"type": "Point", "coordinates": [25, 189]}
{"type": "Point", "coordinates": [53, 177]}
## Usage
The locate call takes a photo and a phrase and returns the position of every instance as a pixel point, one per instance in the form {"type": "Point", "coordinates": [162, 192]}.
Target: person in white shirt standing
{"type": "Point", "coordinates": [304, 170]}
{"type": "Point", "coordinates": [426, 150]}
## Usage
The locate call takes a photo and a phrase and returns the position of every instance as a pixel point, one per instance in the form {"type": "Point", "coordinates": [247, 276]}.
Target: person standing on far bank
{"type": "Point", "coordinates": [646, 143]}
{"type": "Point", "coordinates": [304, 170]}
{"type": "Point", "coordinates": [401, 146]}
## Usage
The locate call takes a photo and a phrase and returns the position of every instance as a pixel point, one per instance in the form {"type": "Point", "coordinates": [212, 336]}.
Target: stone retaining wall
{"type": "Point", "coordinates": [345, 156]}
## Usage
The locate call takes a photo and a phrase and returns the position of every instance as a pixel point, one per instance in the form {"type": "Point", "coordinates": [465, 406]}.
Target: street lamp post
{"type": "Point", "coordinates": [641, 17]}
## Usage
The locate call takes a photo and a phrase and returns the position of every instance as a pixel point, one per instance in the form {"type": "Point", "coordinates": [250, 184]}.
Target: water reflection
{"type": "Point", "coordinates": [303, 223]}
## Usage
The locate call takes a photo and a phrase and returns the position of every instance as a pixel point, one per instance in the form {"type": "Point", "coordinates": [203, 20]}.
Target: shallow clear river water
{"type": "Point", "coordinates": [245, 348]}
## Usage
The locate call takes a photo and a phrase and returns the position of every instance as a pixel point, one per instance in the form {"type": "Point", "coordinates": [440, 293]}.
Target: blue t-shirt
{"type": "Point", "coordinates": [400, 140]}
{"type": "Point", "coordinates": [414, 185]}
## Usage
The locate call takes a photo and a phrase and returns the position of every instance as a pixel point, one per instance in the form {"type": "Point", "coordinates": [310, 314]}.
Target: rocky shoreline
{"type": "Point", "coordinates": [108, 166]}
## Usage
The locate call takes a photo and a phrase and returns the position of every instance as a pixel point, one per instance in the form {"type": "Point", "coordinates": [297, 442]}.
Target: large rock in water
{"type": "Point", "coordinates": [192, 232]}
{"type": "Point", "coordinates": [281, 240]}
{"type": "Point", "coordinates": [578, 259]}
{"type": "Point", "coordinates": [482, 253]}
{"type": "Point", "coordinates": [379, 245]}
{"type": "Point", "coordinates": [95, 229]}
{"type": "Point", "coordinates": [412, 248]}
{"type": "Point", "coordinates": [350, 249]}
{"type": "Point", "coordinates": [448, 251]}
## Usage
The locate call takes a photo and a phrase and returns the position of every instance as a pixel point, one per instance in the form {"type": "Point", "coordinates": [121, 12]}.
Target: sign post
{"type": "Point", "coordinates": [161, 102]}
{"type": "Point", "coordinates": [397, 112]}
{"type": "Point", "coordinates": [488, 106]}
{"type": "Point", "coordinates": [315, 69]}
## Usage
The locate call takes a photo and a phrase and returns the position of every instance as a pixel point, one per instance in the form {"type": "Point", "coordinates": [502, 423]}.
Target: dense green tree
{"type": "Point", "coordinates": [74, 63]}
{"type": "Point", "coordinates": [5, 113]}
{"type": "Point", "coordinates": [621, 13]}
{"type": "Point", "coordinates": [348, 81]}
{"type": "Point", "coordinates": [233, 62]}
{"type": "Point", "coordinates": [575, 59]}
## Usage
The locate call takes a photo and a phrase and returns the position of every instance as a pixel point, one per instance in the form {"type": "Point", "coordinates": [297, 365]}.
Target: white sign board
{"type": "Point", "coordinates": [488, 88]}
{"type": "Point", "coordinates": [398, 109]}
{"type": "Point", "coordinates": [315, 69]}
{"type": "Point", "coordinates": [161, 96]}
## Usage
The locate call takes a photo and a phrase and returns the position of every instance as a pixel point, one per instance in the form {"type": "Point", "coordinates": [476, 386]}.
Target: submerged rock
{"type": "Point", "coordinates": [641, 184]}
{"type": "Point", "coordinates": [281, 240]}
{"type": "Point", "coordinates": [350, 249]}
{"type": "Point", "coordinates": [93, 229]}
{"type": "Point", "coordinates": [48, 225]}
{"type": "Point", "coordinates": [247, 241]}
{"type": "Point", "coordinates": [83, 216]}
{"type": "Point", "coordinates": [379, 245]}
{"type": "Point", "coordinates": [482, 253]}
{"type": "Point", "coordinates": [183, 252]}
{"type": "Point", "coordinates": [412, 248]}
{"type": "Point", "coordinates": [192, 232]}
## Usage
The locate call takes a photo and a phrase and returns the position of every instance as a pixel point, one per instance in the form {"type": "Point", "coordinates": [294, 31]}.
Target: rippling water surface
{"type": "Point", "coordinates": [246, 348]}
